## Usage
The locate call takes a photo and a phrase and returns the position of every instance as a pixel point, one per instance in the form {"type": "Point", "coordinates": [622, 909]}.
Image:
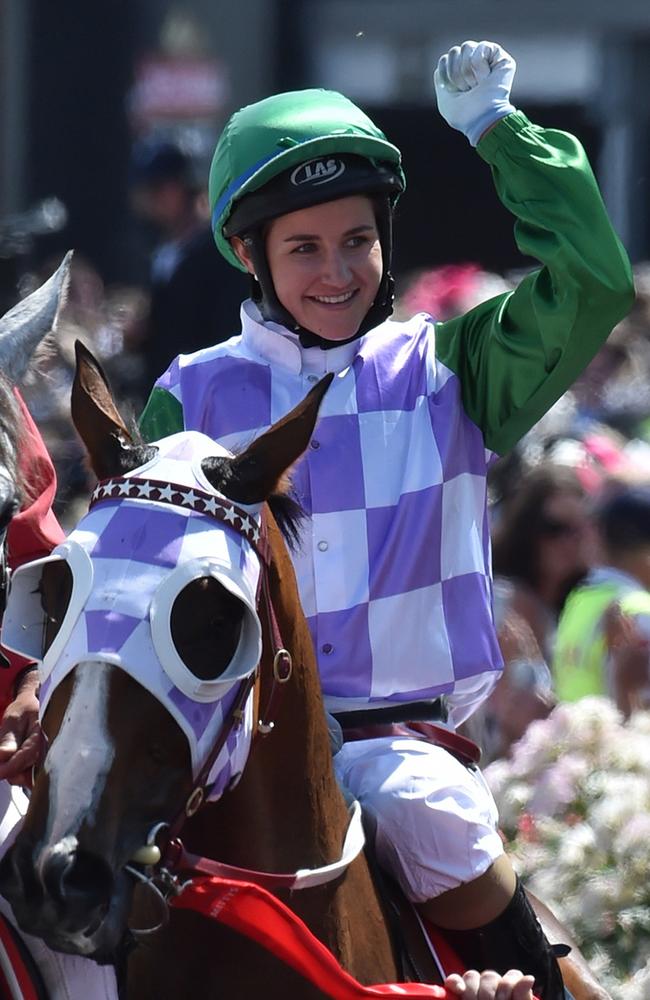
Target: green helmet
{"type": "Point", "coordinates": [264, 140]}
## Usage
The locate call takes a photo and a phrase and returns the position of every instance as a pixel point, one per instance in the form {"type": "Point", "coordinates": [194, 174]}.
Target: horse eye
{"type": "Point", "coordinates": [55, 588]}
{"type": "Point", "coordinates": [206, 623]}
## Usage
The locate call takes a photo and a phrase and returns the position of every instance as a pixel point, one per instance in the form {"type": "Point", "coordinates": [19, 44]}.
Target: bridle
{"type": "Point", "coordinates": [4, 570]}
{"type": "Point", "coordinates": [156, 866]}
{"type": "Point", "coordinates": [5, 574]}
{"type": "Point", "coordinates": [7, 513]}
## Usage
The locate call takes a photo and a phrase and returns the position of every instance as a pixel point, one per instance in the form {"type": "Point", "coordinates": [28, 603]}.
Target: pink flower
{"type": "Point", "coordinates": [527, 828]}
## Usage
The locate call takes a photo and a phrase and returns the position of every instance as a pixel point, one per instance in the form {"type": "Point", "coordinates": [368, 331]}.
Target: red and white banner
{"type": "Point", "coordinates": [259, 915]}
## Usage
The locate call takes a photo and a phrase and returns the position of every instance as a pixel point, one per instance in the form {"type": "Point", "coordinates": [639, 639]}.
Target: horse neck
{"type": "Point", "coordinates": [288, 811]}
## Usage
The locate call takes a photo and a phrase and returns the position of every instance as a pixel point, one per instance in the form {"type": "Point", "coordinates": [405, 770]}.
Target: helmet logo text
{"type": "Point", "coordinates": [317, 172]}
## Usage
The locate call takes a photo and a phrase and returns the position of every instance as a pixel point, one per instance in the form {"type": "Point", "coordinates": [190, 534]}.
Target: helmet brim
{"type": "Point", "coordinates": [377, 150]}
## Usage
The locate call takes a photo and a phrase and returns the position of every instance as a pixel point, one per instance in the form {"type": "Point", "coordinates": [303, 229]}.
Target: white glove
{"type": "Point", "coordinates": [473, 84]}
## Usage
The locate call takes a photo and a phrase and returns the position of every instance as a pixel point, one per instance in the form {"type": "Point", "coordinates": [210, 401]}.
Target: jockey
{"type": "Point", "coordinates": [394, 568]}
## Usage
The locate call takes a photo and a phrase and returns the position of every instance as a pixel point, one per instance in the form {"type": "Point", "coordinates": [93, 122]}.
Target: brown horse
{"type": "Point", "coordinates": [119, 764]}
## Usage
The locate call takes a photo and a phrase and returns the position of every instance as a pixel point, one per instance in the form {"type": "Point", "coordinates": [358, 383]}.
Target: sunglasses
{"type": "Point", "coordinates": [552, 528]}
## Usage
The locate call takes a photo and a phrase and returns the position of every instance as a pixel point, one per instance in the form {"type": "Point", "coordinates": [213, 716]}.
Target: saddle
{"type": "Point", "coordinates": [423, 953]}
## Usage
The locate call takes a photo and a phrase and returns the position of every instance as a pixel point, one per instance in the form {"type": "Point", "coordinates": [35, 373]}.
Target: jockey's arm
{"type": "Point", "coordinates": [518, 353]}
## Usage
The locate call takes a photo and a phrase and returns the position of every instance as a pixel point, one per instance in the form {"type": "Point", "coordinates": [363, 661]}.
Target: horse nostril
{"type": "Point", "coordinates": [53, 874]}
{"type": "Point", "coordinates": [14, 881]}
{"type": "Point", "coordinates": [77, 877]}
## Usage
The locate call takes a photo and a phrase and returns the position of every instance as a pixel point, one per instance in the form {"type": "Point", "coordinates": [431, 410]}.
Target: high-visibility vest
{"type": "Point", "coordinates": [580, 659]}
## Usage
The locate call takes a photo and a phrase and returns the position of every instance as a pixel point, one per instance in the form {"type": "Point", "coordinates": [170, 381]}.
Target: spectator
{"type": "Point", "coordinates": [541, 547]}
{"type": "Point", "coordinates": [524, 691]}
{"type": "Point", "coordinates": [603, 640]}
{"type": "Point", "coordinates": [195, 296]}
{"type": "Point", "coordinates": [544, 544]}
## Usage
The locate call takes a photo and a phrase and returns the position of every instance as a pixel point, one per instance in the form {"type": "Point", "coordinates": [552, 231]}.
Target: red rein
{"type": "Point", "coordinates": [259, 915]}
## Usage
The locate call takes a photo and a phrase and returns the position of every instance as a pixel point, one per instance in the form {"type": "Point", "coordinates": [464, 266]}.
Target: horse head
{"type": "Point", "coordinates": [22, 329]}
{"type": "Point", "coordinates": [145, 626]}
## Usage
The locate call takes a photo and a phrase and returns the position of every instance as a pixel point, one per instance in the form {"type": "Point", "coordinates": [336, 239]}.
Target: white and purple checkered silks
{"type": "Point", "coordinates": [394, 570]}
{"type": "Point", "coordinates": [130, 558]}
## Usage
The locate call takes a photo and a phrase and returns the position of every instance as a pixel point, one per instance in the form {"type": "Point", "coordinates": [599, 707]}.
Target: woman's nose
{"type": "Point", "coordinates": [336, 270]}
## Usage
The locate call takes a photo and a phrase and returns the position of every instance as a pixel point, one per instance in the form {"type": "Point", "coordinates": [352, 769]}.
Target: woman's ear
{"type": "Point", "coordinates": [243, 252]}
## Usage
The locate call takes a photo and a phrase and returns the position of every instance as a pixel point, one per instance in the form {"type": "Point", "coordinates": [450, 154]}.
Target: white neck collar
{"type": "Point", "coordinates": [276, 344]}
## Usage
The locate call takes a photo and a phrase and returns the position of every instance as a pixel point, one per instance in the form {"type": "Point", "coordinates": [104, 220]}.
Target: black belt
{"type": "Point", "coordinates": [408, 711]}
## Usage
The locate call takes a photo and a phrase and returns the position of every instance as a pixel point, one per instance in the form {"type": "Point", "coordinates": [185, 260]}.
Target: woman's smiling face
{"type": "Point", "coordinates": [326, 264]}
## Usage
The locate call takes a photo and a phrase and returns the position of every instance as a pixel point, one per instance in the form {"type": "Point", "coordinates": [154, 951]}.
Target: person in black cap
{"type": "Point", "coordinates": [603, 640]}
{"type": "Point", "coordinates": [194, 295]}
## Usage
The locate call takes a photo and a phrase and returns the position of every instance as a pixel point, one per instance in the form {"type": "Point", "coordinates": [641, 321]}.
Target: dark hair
{"type": "Point", "coordinates": [523, 521]}
{"type": "Point", "coordinates": [155, 161]}
{"type": "Point", "coordinates": [623, 518]}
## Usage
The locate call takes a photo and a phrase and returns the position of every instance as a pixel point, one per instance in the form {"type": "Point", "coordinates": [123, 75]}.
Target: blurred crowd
{"type": "Point", "coordinates": [570, 525]}
{"type": "Point", "coordinates": [570, 506]}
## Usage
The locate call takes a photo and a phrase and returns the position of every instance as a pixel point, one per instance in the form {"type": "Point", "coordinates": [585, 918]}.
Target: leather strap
{"type": "Point", "coordinates": [304, 878]}
{"type": "Point", "coordinates": [282, 662]}
{"type": "Point", "coordinates": [232, 720]}
{"type": "Point", "coordinates": [465, 750]}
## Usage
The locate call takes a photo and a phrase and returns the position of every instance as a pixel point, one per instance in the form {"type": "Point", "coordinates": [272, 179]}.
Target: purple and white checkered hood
{"type": "Point", "coordinates": [130, 558]}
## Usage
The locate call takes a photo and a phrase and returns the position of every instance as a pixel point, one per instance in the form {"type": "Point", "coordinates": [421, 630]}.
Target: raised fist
{"type": "Point", "coordinates": [473, 82]}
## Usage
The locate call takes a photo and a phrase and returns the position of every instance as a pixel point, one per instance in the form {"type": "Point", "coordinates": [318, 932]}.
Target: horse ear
{"type": "Point", "coordinates": [258, 472]}
{"type": "Point", "coordinates": [28, 322]}
{"type": "Point", "coordinates": [97, 420]}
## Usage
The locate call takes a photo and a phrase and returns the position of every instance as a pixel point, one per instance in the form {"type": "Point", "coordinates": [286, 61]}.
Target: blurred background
{"type": "Point", "coordinates": [109, 112]}
{"type": "Point", "coordinates": [80, 83]}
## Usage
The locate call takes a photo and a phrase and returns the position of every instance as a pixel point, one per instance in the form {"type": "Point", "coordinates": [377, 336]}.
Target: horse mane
{"type": "Point", "coordinates": [11, 424]}
{"type": "Point", "coordinates": [289, 515]}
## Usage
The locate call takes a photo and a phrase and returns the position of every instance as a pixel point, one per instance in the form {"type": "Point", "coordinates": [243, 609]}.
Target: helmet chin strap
{"type": "Point", "coordinates": [264, 294]}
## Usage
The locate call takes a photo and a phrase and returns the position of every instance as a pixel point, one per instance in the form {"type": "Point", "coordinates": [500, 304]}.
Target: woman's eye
{"type": "Point", "coordinates": [357, 241]}
{"type": "Point", "coordinates": [304, 248]}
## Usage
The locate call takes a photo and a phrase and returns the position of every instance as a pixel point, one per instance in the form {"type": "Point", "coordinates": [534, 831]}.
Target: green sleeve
{"type": "Point", "coordinates": [518, 353]}
{"type": "Point", "coordinates": [162, 416]}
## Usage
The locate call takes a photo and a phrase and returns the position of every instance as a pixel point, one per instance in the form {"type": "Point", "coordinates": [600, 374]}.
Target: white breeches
{"type": "Point", "coordinates": [66, 977]}
{"type": "Point", "coordinates": [435, 820]}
